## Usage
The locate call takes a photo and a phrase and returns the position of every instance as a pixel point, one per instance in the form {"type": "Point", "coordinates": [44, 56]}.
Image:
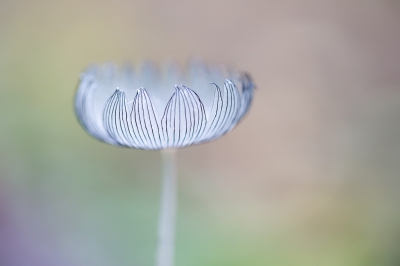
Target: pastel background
{"type": "Point", "coordinates": [311, 176]}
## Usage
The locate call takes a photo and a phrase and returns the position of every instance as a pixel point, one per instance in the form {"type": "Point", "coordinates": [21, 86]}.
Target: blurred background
{"type": "Point", "coordinates": [310, 177]}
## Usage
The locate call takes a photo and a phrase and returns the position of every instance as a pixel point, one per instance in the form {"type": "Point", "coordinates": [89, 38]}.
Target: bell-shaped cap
{"type": "Point", "coordinates": [147, 109]}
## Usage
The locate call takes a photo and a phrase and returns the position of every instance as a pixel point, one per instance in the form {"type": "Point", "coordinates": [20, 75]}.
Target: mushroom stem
{"type": "Point", "coordinates": [166, 225]}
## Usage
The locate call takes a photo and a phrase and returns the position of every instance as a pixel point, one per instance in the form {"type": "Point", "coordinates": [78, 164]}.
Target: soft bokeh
{"type": "Point", "coordinates": [310, 177]}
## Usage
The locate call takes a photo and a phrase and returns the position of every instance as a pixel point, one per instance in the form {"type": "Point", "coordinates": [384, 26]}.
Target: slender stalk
{"type": "Point", "coordinates": [166, 226]}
